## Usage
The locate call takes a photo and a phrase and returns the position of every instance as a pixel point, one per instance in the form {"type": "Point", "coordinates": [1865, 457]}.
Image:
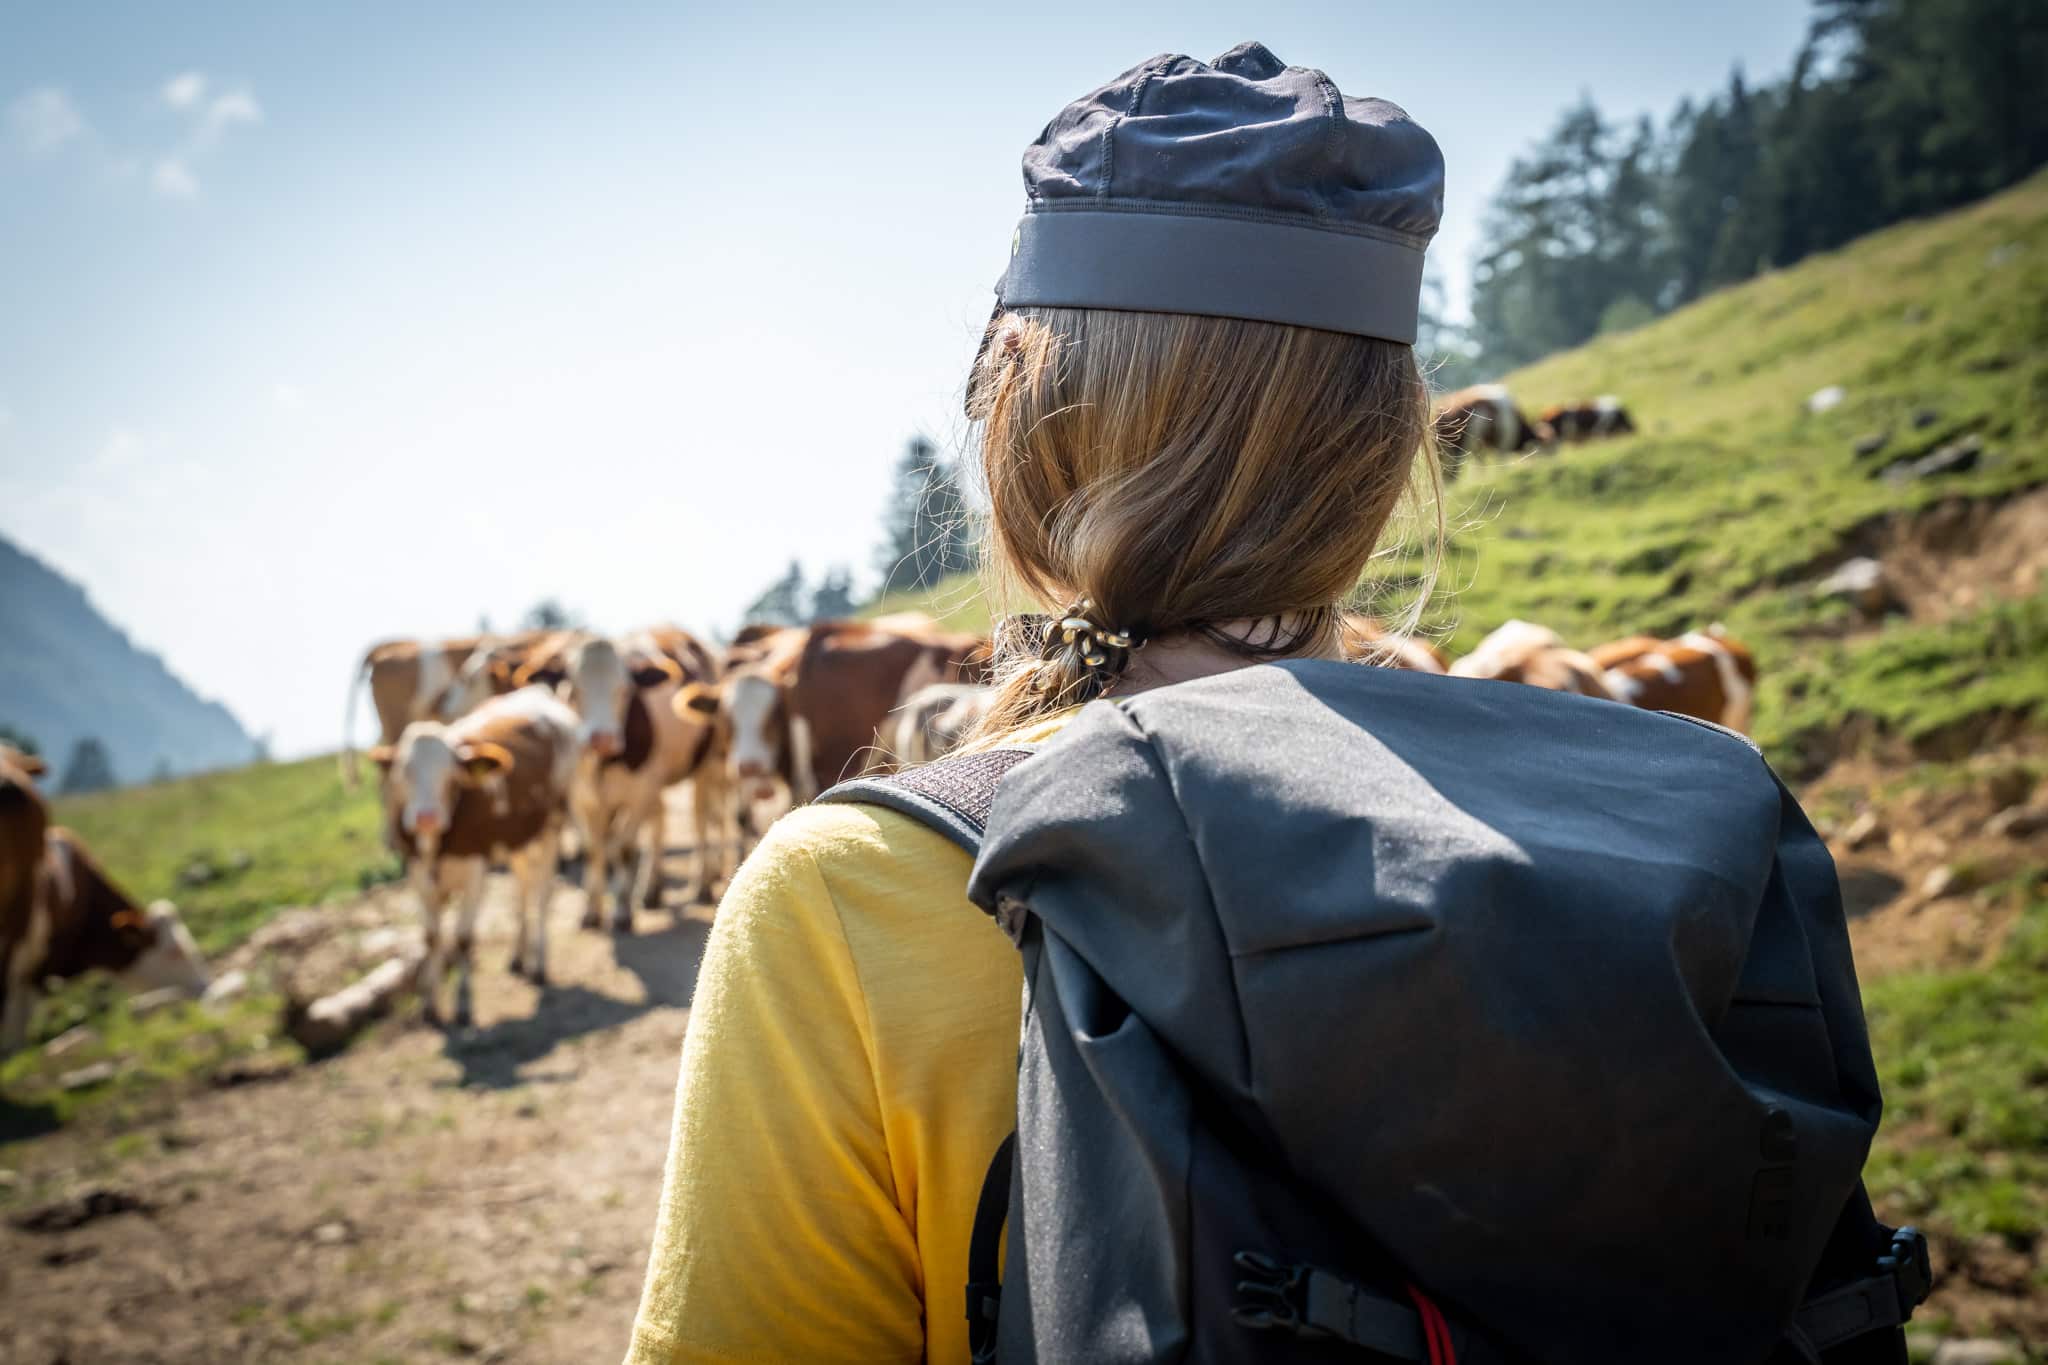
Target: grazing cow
{"type": "Point", "coordinates": [636, 744]}
{"type": "Point", "coordinates": [1581, 421]}
{"type": "Point", "coordinates": [1367, 641]}
{"type": "Point", "coordinates": [933, 720]}
{"type": "Point", "coordinates": [1485, 417]}
{"type": "Point", "coordinates": [66, 917]}
{"type": "Point", "coordinates": [430, 680]}
{"type": "Point", "coordinates": [490, 787]}
{"type": "Point", "coordinates": [1708, 674]}
{"type": "Point", "coordinates": [1526, 653]}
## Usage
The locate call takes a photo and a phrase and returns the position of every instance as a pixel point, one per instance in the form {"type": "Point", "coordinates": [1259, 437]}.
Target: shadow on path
{"type": "Point", "coordinates": [665, 961]}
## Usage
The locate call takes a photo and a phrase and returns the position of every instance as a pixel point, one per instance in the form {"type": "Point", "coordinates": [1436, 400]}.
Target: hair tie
{"type": "Point", "coordinates": [1093, 655]}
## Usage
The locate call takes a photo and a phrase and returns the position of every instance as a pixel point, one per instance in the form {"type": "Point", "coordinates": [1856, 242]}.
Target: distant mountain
{"type": "Point", "coordinates": [67, 673]}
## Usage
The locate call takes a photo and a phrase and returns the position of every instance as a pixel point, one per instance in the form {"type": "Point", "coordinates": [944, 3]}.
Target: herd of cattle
{"type": "Point", "coordinates": [493, 747]}
{"type": "Point", "coordinates": [1486, 418]}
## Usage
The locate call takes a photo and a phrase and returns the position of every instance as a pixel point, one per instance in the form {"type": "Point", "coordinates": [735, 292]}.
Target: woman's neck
{"type": "Point", "coordinates": [1186, 655]}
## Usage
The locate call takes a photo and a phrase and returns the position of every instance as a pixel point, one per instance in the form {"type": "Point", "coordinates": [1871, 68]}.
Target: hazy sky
{"type": "Point", "coordinates": [323, 324]}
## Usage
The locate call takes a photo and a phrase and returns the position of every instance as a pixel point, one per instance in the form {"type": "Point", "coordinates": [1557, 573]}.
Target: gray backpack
{"type": "Point", "coordinates": [1375, 1016]}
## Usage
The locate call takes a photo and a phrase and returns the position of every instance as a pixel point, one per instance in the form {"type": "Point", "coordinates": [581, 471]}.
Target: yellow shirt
{"type": "Point", "coordinates": [850, 1068]}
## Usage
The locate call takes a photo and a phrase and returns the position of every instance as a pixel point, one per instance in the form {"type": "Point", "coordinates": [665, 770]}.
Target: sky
{"type": "Point", "coordinates": [325, 324]}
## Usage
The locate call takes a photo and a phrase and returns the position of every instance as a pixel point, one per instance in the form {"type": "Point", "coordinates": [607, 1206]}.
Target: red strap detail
{"type": "Point", "coordinates": [1434, 1328]}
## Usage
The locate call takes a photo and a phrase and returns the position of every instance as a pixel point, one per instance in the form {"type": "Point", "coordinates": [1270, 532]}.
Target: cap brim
{"type": "Point", "coordinates": [1215, 265]}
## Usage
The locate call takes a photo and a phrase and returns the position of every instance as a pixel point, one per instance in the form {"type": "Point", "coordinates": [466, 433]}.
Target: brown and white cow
{"type": "Point", "coordinates": [1485, 417]}
{"type": "Point", "coordinates": [431, 680]}
{"type": "Point", "coordinates": [636, 744]}
{"type": "Point", "coordinates": [814, 708]}
{"type": "Point", "coordinates": [62, 916]}
{"type": "Point", "coordinates": [933, 720]}
{"type": "Point", "coordinates": [1708, 674]}
{"type": "Point", "coordinates": [490, 787]}
{"type": "Point", "coordinates": [1523, 652]}
{"type": "Point", "coordinates": [1586, 419]}
{"type": "Point", "coordinates": [1365, 640]}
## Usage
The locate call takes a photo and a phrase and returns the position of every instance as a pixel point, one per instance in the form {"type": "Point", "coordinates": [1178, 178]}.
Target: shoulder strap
{"type": "Point", "coordinates": [951, 795]}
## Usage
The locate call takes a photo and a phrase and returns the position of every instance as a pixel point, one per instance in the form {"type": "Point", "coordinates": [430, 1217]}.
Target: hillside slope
{"type": "Point", "coordinates": [68, 673]}
{"type": "Point", "coordinates": [1734, 500]}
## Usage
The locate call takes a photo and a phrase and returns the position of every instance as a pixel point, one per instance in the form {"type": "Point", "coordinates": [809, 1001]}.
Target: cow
{"type": "Point", "coordinates": [848, 679]}
{"type": "Point", "coordinates": [62, 916]}
{"type": "Point", "coordinates": [430, 680]}
{"type": "Point", "coordinates": [636, 743]}
{"type": "Point", "coordinates": [1706, 674]}
{"type": "Point", "coordinates": [1365, 640]}
{"type": "Point", "coordinates": [1522, 652]}
{"type": "Point", "coordinates": [487, 788]}
{"type": "Point", "coordinates": [813, 708]}
{"type": "Point", "coordinates": [1485, 417]}
{"type": "Point", "coordinates": [1581, 421]}
{"type": "Point", "coordinates": [932, 721]}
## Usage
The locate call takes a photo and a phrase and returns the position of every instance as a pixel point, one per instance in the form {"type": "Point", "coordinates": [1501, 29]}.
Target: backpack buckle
{"type": "Point", "coordinates": [1275, 1298]}
{"type": "Point", "coordinates": [1911, 1269]}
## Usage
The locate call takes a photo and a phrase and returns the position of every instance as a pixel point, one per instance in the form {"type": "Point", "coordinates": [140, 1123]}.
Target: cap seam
{"type": "Point", "coordinates": [1333, 139]}
{"type": "Point", "coordinates": [1175, 209]}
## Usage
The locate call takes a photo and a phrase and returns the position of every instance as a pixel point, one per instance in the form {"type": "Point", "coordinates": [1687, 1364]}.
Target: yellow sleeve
{"type": "Point", "coordinates": [780, 1235]}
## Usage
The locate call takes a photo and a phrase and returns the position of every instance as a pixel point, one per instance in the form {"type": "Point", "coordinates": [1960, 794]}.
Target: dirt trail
{"type": "Point", "coordinates": [487, 1196]}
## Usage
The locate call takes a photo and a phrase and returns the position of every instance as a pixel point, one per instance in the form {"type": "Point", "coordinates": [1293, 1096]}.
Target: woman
{"type": "Point", "coordinates": [1198, 408]}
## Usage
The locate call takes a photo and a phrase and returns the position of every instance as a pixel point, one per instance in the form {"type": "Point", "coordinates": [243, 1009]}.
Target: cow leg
{"type": "Point", "coordinates": [465, 944]}
{"type": "Point", "coordinates": [426, 885]}
{"type": "Point", "coordinates": [539, 878]}
{"type": "Point", "coordinates": [724, 815]}
{"type": "Point", "coordinates": [655, 842]}
{"type": "Point", "coordinates": [18, 1007]}
{"type": "Point", "coordinates": [701, 797]}
{"type": "Point", "coordinates": [590, 830]}
{"type": "Point", "coordinates": [626, 855]}
{"type": "Point", "coordinates": [803, 781]}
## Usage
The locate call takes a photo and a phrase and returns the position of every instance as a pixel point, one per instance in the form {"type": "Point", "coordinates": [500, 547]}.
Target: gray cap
{"type": "Point", "coordinates": [1242, 188]}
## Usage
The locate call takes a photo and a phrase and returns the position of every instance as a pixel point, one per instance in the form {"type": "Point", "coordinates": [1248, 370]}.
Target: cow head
{"type": "Point", "coordinates": [147, 949]}
{"type": "Point", "coordinates": [426, 773]}
{"type": "Point", "coordinates": [169, 958]}
{"type": "Point", "coordinates": [755, 705]}
{"type": "Point", "coordinates": [599, 682]}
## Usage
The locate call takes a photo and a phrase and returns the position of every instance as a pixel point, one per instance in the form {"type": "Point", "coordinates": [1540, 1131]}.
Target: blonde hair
{"type": "Point", "coordinates": [1180, 472]}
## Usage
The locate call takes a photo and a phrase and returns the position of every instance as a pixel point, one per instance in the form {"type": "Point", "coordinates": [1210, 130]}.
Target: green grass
{"type": "Point", "coordinates": [154, 1056]}
{"type": "Point", "coordinates": [1963, 1057]}
{"type": "Point", "coordinates": [267, 836]}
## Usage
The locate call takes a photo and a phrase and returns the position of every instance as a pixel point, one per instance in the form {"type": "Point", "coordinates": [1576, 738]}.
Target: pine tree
{"type": "Point", "coordinates": [834, 598]}
{"type": "Point", "coordinates": [88, 769]}
{"type": "Point", "coordinates": [927, 529]}
{"type": "Point", "coordinates": [785, 602]}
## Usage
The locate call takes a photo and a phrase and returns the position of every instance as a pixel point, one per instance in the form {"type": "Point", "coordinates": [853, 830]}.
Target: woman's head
{"type": "Point", "coordinates": [1198, 401]}
{"type": "Point", "coordinates": [1181, 472]}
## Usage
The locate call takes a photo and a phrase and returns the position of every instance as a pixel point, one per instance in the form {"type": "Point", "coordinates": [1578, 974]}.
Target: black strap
{"type": "Point", "coordinates": [1313, 1303]}
{"type": "Point", "coordinates": [1884, 1300]}
{"type": "Point", "coordinates": [984, 1254]}
{"type": "Point", "coordinates": [951, 795]}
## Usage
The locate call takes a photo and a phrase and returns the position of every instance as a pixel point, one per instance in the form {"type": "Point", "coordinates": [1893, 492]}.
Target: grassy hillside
{"type": "Point", "coordinates": [232, 847]}
{"type": "Point", "coordinates": [1733, 496]}
{"type": "Point", "coordinates": [1732, 499]}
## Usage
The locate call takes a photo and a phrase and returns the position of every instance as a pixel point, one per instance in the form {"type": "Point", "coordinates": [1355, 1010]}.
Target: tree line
{"type": "Point", "coordinates": [1891, 109]}
{"type": "Point", "coordinates": [928, 533]}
